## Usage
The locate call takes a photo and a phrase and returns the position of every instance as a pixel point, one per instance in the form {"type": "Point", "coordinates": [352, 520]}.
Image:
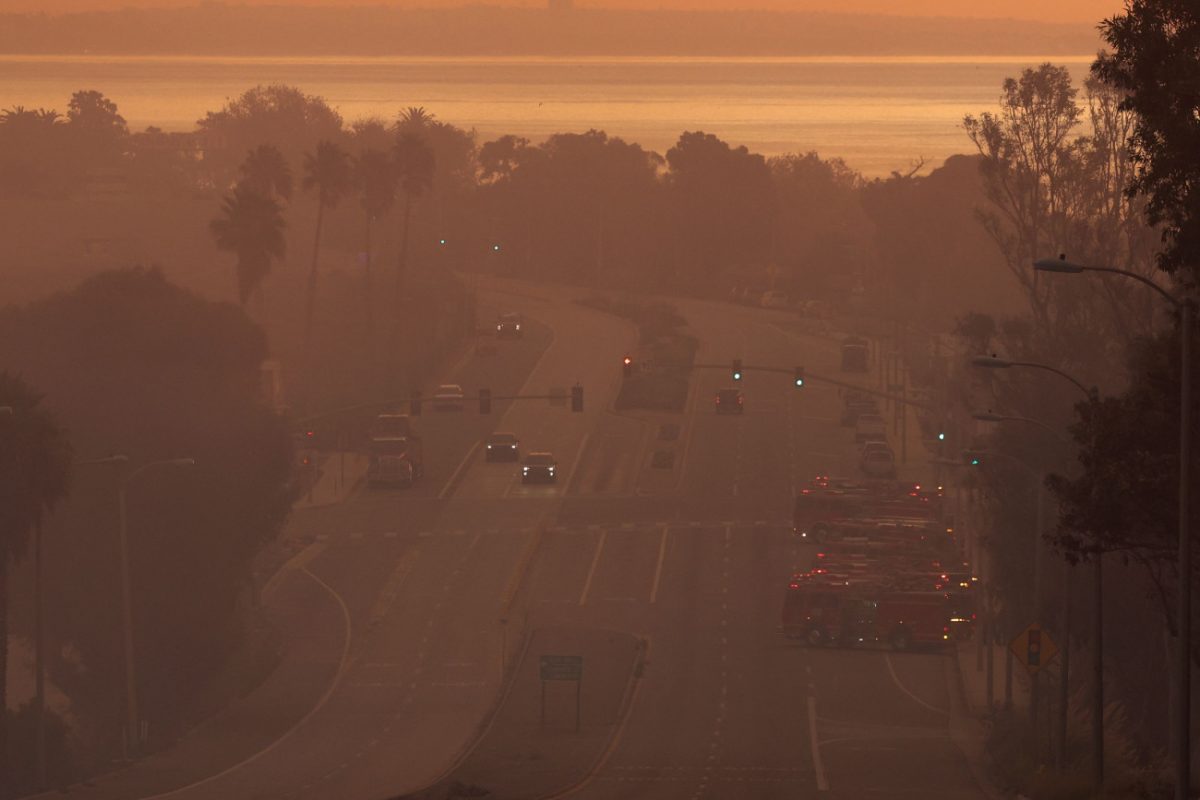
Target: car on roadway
{"type": "Point", "coordinates": [877, 460]}
{"type": "Point", "coordinates": [502, 447]}
{"type": "Point", "coordinates": [391, 424]}
{"type": "Point", "coordinates": [854, 354]}
{"type": "Point", "coordinates": [730, 401]}
{"type": "Point", "coordinates": [449, 397]}
{"type": "Point", "coordinates": [868, 427]}
{"type": "Point", "coordinates": [879, 463]}
{"type": "Point", "coordinates": [539, 467]}
{"type": "Point", "coordinates": [509, 326]}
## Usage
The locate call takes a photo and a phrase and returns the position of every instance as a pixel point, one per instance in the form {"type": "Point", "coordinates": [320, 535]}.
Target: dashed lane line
{"type": "Point", "coordinates": [818, 767]}
{"type": "Point", "coordinates": [587, 584]}
{"type": "Point", "coordinates": [658, 568]}
{"type": "Point", "coordinates": [452, 483]}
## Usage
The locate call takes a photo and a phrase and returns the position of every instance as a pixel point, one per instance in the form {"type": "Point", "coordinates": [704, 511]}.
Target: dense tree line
{"type": "Point", "coordinates": [1119, 195]}
{"type": "Point", "coordinates": [132, 365]}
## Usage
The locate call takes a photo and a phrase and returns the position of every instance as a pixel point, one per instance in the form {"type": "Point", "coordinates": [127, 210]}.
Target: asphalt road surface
{"type": "Point", "coordinates": [410, 601]}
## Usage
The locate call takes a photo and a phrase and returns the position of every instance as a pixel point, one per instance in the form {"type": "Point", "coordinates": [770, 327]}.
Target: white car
{"type": "Point", "coordinates": [449, 397]}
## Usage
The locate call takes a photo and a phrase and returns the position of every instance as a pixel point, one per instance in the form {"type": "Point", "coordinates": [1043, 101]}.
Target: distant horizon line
{"type": "Point", "coordinates": [349, 58]}
{"type": "Point", "coordinates": [475, 6]}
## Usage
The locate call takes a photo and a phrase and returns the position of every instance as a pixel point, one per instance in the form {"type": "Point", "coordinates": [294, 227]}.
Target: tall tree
{"type": "Point", "coordinates": [250, 226]}
{"type": "Point", "coordinates": [415, 167]}
{"type": "Point", "coordinates": [283, 115]}
{"type": "Point", "coordinates": [1156, 63]}
{"type": "Point", "coordinates": [35, 465]}
{"type": "Point", "coordinates": [375, 175]}
{"type": "Point", "coordinates": [98, 128]}
{"type": "Point", "coordinates": [329, 172]}
{"type": "Point", "coordinates": [266, 170]}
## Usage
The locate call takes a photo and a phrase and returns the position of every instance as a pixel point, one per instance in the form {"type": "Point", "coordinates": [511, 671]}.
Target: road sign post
{"type": "Point", "coordinates": [562, 668]}
{"type": "Point", "coordinates": [1034, 649]}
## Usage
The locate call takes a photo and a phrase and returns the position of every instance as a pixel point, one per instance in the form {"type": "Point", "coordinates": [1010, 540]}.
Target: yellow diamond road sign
{"type": "Point", "coordinates": [1034, 648]}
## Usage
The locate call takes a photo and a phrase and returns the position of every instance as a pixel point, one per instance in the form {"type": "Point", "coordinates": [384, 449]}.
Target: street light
{"type": "Point", "coordinates": [993, 362]}
{"type": "Point", "coordinates": [122, 461]}
{"type": "Point", "coordinates": [988, 416]}
{"type": "Point", "coordinates": [1183, 304]}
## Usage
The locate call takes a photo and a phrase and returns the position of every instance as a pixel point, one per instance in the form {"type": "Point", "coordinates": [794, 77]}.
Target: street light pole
{"type": "Point", "coordinates": [993, 362]}
{"type": "Point", "coordinates": [1182, 733]}
{"type": "Point", "coordinates": [131, 703]}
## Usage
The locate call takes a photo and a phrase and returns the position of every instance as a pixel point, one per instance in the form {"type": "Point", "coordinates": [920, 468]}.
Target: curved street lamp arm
{"type": "Point", "coordinates": [1086, 391]}
{"type": "Point", "coordinates": [1170, 298]}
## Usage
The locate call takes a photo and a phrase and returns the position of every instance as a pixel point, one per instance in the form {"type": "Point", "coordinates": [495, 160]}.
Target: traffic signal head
{"type": "Point", "coordinates": [485, 401]}
{"type": "Point", "coordinates": [737, 369]}
{"type": "Point", "coordinates": [627, 365]}
{"type": "Point", "coordinates": [577, 398]}
{"type": "Point", "coordinates": [799, 377]}
{"type": "Point", "coordinates": [941, 436]}
{"type": "Point", "coordinates": [972, 458]}
{"type": "Point", "coordinates": [442, 242]}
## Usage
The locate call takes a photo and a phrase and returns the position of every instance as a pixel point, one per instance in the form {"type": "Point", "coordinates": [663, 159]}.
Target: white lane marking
{"type": "Point", "coordinates": [575, 464]}
{"type": "Point", "coordinates": [343, 663]}
{"type": "Point", "coordinates": [691, 430]}
{"type": "Point", "coordinates": [587, 584]}
{"type": "Point", "coordinates": [896, 680]}
{"type": "Point", "coordinates": [662, 552]}
{"type": "Point", "coordinates": [516, 480]}
{"type": "Point", "coordinates": [462, 465]}
{"type": "Point", "coordinates": [818, 767]}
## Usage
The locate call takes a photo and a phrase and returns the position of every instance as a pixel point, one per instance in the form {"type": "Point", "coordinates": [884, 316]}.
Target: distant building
{"type": "Point", "coordinates": [561, 5]}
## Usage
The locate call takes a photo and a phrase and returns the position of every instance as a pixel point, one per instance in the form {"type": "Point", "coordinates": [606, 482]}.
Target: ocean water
{"type": "Point", "coordinates": [878, 114]}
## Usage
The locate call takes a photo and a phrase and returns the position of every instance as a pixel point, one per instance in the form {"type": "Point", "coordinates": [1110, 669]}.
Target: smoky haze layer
{"type": "Point", "coordinates": [483, 30]}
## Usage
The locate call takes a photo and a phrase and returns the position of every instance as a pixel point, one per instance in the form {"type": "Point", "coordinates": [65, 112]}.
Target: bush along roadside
{"type": "Point", "coordinates": [663, 363]}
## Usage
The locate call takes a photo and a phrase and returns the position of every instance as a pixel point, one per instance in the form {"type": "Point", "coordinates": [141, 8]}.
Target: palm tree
{"type": "Point", "coordinates": [251, 226]}
{"type": "Point", "coordinates": [266, 170]}
{"type": "Point", "coordinates": [415, 166]}
{"type": "Point", "coordinates": [329, 171]}
{"type": "Point", "coordinates": [414, 118]}
{"type": "Point", "coordinates": [35, 466]}
{"type": "Point", "coordinates": [375, 174]}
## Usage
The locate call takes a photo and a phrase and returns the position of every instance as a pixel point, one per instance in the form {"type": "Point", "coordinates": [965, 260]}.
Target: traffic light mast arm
{"type": "Point", "coordinates": [810, 376]}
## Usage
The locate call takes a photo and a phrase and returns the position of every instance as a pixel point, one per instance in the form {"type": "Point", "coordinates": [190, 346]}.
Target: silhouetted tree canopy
{"type": "Point", "coordinates": [1156, 62]}
{"type": "Point", "coordinates": [134, 365]}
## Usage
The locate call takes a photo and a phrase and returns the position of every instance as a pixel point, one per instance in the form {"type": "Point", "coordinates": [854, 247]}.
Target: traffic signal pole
{"type": "Point", "coordinates": [741, 369]}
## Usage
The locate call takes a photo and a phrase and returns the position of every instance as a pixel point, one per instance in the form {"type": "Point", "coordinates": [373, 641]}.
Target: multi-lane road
{"type": "Point", "coordinates": [405, 608]}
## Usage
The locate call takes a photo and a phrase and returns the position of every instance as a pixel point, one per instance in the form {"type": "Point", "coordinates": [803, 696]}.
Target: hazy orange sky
{"type": "Point", "coordinates": [1043, 10]}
